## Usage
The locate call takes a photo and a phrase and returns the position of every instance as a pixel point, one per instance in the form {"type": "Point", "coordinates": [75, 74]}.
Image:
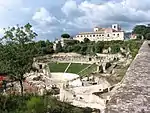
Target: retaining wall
{"type": "Point", "coordinates": [133, 95]}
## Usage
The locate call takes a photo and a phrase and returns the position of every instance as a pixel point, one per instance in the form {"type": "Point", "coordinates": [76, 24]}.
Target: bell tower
{"type": "Point", "coordinates": [116, 27]}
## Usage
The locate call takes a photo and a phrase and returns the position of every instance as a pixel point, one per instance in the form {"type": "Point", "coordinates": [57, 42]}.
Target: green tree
{"type": "Point", "coordinates": [141, 30]}
{"type": "Point", "coordinates": [65, 35]}
{"type": "Point", "coordinates": [86, 40]}
{"type": "Point", "coordinates": [90, 49]}
{"type": "Point", "coordinates": [44, 47]}
{"type": "Point", "coordinates": [71, 42]}
{"type": "Point", "coordinates": [99, 47]}
{"type": "Point", "coordinates": [115, 48]}
{"type": "Point", "coordinates": [139, 37]}
{"type": "Point", "coordinates": [133, 47]}
{"type": "Point", "coordinates": [69, 48]}
{"type": "Point", "coordinates": [148, 36]}
{"type": "Point", "coordinates": [41, 43]}
{"type": "Point", "coordinates": [59, 47]}
{"type": "Point", "coordinates": [49, 47]}
{"type": "Point", "coordinates": [76, 48]}
{"type": "Point", "coordinates": [83, 49]}
{"type": "Point", "coordinates": [17, 54]}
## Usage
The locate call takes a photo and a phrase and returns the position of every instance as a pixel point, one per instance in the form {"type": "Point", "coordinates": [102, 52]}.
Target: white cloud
{"type": "Point", "coordinates": [26, 9]}
{"type": "Point", "coordinates": [138, 4]}
{"type": "Point", "coordinates": [8, 9]}
{"type": "Point", "coordinates": [124, 12]}
{"type": "Point", "coordinates": [62, 21]}
{"type": "Point", "coordinates": [73, 15]}
{"type": "Point", "coordinates": [69, 7]}
{"type": "Point", "coordinates": [42, 16]}
{"type": "Point", "coordinates": [7, 6]}
{"type": "Point", "coordinates": [10, 3]}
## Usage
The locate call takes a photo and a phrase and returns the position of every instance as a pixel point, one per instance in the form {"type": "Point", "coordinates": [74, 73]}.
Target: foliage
{"type": "Point", "coordinates": [76, 48]}
{"type": "Point", "coordinates": [148, 36]}
{"type": "Point", "coordinates": [134, 46]}
{"type": "Point", "coordinates": [141, 30]}
{"type": "Point", "coordinates": [65, 35]}
{"type": "Point", "coordinates": [115, 48]}
{"type": "Point", "coordinates": [139, 37]}
{"type": "Point", "coordinates": [17, 54]}
{"type": "Point", "coordinates": [17, 49]}
{"type": "Point", "coordinates": [36, 104]}
{"type": "Point", "coordinates": [59, 47]}
{"type": "Point", "coordinates": [91, 48]}
{"type": "Point", "coordinates": [99, 47]}
{"type": "Point", "coordinates": [86, 40]}
{"type": "Point", "coordinates": [44, 47]}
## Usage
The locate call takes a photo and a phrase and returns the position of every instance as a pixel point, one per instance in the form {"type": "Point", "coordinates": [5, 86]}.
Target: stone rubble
{"type": "Point", "coordinates": [79, 92]}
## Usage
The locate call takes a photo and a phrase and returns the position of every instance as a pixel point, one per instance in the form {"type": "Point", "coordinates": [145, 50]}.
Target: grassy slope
{"type": "Point", "coordinates": [89, 70]}
{"type": "Point", "coordinates": [58, 67]}
{"type": "Point", "coordinates": [74, 68]}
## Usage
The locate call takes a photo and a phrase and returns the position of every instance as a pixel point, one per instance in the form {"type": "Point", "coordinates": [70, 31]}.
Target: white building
{"type": "Point", "coordinates": [102, 34]}
{"type": "Point", "coordinates": [62, 41]}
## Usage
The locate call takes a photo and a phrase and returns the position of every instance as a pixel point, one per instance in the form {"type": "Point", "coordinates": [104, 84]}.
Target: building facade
{"type": "Point", "coordinates": [102, 34]}
{"type": "Point", "coordinates": [62, 42]}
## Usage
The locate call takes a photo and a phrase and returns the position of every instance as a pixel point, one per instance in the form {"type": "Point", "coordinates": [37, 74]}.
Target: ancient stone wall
{"type": "Point", "coordinates": [133, 94]}
{"type": "Point", "coordinates": [65, 58]}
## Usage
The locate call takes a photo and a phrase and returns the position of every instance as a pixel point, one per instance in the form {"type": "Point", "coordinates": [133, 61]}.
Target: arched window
{"type": "Point", "coordinates": [40, 66]}
{"type": "Point", "coordinates": [90, 59]}
{"type": "Point", "coordinates": [108, 35]}
{"type": "Point", "coordinates": [118, 35]}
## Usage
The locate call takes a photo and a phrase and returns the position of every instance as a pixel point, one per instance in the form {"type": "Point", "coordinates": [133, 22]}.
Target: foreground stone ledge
{"type": "Point", "coordinates": [133, 95]}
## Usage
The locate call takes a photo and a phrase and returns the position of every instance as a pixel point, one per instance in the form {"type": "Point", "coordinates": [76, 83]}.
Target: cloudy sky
{"type": "Point", "coordinates": [51, 18]}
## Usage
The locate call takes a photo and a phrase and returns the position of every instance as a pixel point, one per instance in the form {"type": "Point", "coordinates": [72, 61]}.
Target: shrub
{"type": "Point", "coordinates": [148, 36]}
{"type": "Point", "coordinates": [35, 105]}
{"type": "Point", "coordinates": [115, 48]}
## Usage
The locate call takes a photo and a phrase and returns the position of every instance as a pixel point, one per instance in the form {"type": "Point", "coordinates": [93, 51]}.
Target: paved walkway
{"type": "Point", "coordinates": [133, 95]}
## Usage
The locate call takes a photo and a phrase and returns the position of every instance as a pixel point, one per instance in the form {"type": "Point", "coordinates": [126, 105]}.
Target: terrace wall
{"type": "Point", "coordinates": [79, 59]}
{"type": "Point", "coordinates": [133, 95]}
